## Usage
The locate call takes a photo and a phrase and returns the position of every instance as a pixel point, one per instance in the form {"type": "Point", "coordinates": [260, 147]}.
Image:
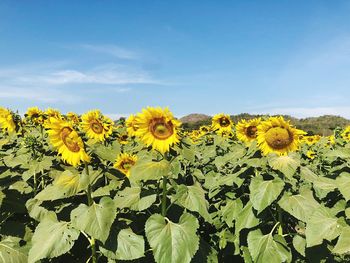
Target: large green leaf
{"type": "Point", "coordinates": [193, 198]}
{"type": "Point", "coordinates": [109, 152]}
{"type": "Point", "coordinates": [52, 239]}
{"type": "Point", "coordinates": [130, 245]}
{"type": "Point", "coordinates": [172, 242]}
{"type": "Point", "coordinates": [130, 197]}
{"type": "Point", "coordinates": [246, 218]}
{"type": "Point", "coordinates": [343, 244]}
{"type": "Point", "coordinates": [300, 206]}
{"type": "Point", "coordinates": [11, 251]}
{"type": "Point", "coordinates": [266, 248]}
{"type": "Point", "coordinates": [147, 169]}
{"type": "Point", "coordinates": [322, 225]}
{"type": "Point", "coordinates": [299, 243]}
{"type": "Point", "coordinates": [96, 220]}
{"type": "Point", "coordinates": [343, 184]}
{"type": "Point", "coordinates": [263, 193]}
{"type": "Point", "coordinates": [231, 211]}
{"type": "Point", "coordinates": [287, 164]}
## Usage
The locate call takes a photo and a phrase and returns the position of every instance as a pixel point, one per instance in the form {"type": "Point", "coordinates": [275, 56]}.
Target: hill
{"type": "Point", "coordinates": [323, 125]}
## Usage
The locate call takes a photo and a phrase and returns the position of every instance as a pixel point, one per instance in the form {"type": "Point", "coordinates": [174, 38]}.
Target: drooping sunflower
{"type": "Point", "coordinates": [124, 162]}
{"type": "Point", "coordinates": [158, 128]}
{"type": "Point", "coordinates": [246, 130]}
{"type": "Point", "coordinates": [132, 125]}
{"type": "Point", "coordinates": [67, 141]}
{"type": "Point", "coordinates": [96, 125]}
{"type": "Point", "coordinates": [35, 115]}
{"type": "Point", "coordinates": [275, 135]}
{"type": "Point", "coordinates": [222, 123]}
{"type": "Point", "coordinates": [6, 120]}
{"type": "Point", "coordinates": [346, 134]}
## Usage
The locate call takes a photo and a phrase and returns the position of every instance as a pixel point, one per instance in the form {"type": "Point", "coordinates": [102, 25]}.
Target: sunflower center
{"type": "Point", "coordinates": [251, 131]}
{"type": "Point", "coordinates": [127, 164]}
{"type": "Point", "coordinates": [278, 138]}
{"type": "Point", "coordinates": [96, 127]}
{"type": "Point", "coordinates": [68, 140]}
{"type": "Point", "coordinates": [160, 129]}
{"type": "Point", "coordinates": [124, 137]}
{"type": "Point", "coordinates": [224, 122]}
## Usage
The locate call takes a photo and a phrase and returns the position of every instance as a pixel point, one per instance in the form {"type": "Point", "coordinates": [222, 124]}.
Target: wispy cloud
{"type": "Point", "coordinates": [112, 50]}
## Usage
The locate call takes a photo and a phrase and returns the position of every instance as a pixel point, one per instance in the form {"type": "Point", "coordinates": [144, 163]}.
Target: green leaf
{"type": "Point", "coordinates": [343, 184]}
{"type": "Point", "coordinates": [171, 242]}
{"type": "Point", "coordinates": [146, 169]}
{"type": "Point", "coordinates": [11, 252]}
{"type": "Point", "coordinates": [108, 153]}
{"type": "Point", "coordinates": [322, 225]}
{"type": "Point", "coordinates": [299, 244]}
{"type": "Point", "coordinates": [343, 244]}
{"type": "Point", "coordinates": [130, 245]}
{"type": "Point", "coordinates": [96, 220]}
{"type": "Point", "coordinates": [266, 248]}
{"type": "Point", "coordinates": [263, 193]}
{"type": "Point", "coordinates": [130, 198]}
{"type": "Point", "coordinates": [285, 164]}
{"type": "Point", "coordinates": [300, 206]}
{"type": "Point", "coordinates": [246, 218]}
{"type": "Point", "coordinates": [193, 198]}
{"type": "Point", "coordinates": [231, 211]}
{"type": "Point", "coordinates": [52, 239]}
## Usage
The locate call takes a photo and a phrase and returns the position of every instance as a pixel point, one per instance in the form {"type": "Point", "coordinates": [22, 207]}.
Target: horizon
{"type": "Point", "coordinates": [288, 58]}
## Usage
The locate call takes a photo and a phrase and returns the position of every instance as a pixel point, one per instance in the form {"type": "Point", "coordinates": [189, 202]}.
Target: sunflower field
{"type": "Point", "coordinates": [88, 189]}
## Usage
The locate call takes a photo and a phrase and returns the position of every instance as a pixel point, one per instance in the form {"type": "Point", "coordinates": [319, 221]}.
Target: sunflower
{"type": "Point", "coordinates": [276, 135]}
{"type": "Point", "coordinates": [52, 113]}
{"type": "Point", "coordinates": [96, 125]}
{"type": "Point", "coordinates": [246, 130]}
{"type": "Point", "coordinates": [222, 123]}
{"type": "Point", "coordinates": [73, 117]}
{"type": "Point", "coordinates": [346, 134]}
{"type": "Point", "coordinates": [311, 154]}
{"type": "Point", "coordinates": [6, 120]}
{"type": "Point", "coordinates": [35, 115]}
{"type": "Point", "coordinates": [158, 128]}
{"type": "Point", "coordinates": [204, 129]}
{"type": "Point", "coordinates": [311, 139]}
{"type": "Point", "coordinates": [132, 125]}
{"type": "Point", "coordinates": [123, 138]}
{"type": "Point", "coordinates": [67, 141]}
{"type": "Point", "coordinates": [124, 162]}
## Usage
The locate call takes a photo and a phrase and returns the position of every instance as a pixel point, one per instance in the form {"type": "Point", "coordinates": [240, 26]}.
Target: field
{"type": "Point", "coordinates": [87, 189]}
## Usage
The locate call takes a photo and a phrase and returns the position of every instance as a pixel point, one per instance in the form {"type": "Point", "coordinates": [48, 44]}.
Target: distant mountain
{"type": "Point", "coordinates": [323, 125]}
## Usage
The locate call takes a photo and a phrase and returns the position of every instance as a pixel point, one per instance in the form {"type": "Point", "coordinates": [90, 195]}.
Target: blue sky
{"type": "Point", "coordinates": [288, 57]}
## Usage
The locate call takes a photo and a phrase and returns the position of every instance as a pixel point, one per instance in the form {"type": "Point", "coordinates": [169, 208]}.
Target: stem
{"type": "Point", "coordinates": [164, 196]}
{"type": "Point", "coordinates": [280, 219]}
{"type": "Point", "coordinates": [35, 183]}
{"type": "Point", "coordinates": [90, 203]}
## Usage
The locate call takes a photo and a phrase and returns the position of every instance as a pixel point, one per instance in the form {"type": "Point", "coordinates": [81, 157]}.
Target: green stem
{"type": "Point", "coordinates": [164, 196]}
{"type": "Point", "coordinates": [280, 219]}
{"type": "Point", "coordinates": [35, 183]}
{"type": "Point", "coordinates": [90, 203]}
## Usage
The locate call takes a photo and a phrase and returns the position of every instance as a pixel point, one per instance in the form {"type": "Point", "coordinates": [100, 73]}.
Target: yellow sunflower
{"type": "Point", "coordinates": [311, 154]}
{"type": "Point", "coordinates": [311, 139]}
{"type": "Point", "coordinates": [132, 125]}
{"type": "Point", "coordinates": [158, 128]}
{"type": "Point", "coordinates": [6, 120]}
{"type": "Point", "coordinates": [246, 130]}
{"type": "Point", "coordinates": [52, 113]}
{"type": "Point", "coordinates": [35, 115]}
{"type": "Point", "coordinates": [124, 162]}
{"type": "Point", "coordinates": [123, 138]}
{"type": "Point", "coordinates": [222, 123]}
{"type": "Point", "coordinates": [276, 135]}
{"type": "Point", "coordinates": [204, 129]}
{"type": "Point", "coordinates": [96, 125]}
{"type": "Point", "coordinates": [67, 141]}
{"type": "Point", "coordinates": [73, 117]}
{"type": "Point", "coordinates": [346, 134]}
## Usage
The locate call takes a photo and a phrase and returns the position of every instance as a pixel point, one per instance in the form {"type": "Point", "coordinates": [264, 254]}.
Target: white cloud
{"type": "Point", "coordinates": [112, 50]}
